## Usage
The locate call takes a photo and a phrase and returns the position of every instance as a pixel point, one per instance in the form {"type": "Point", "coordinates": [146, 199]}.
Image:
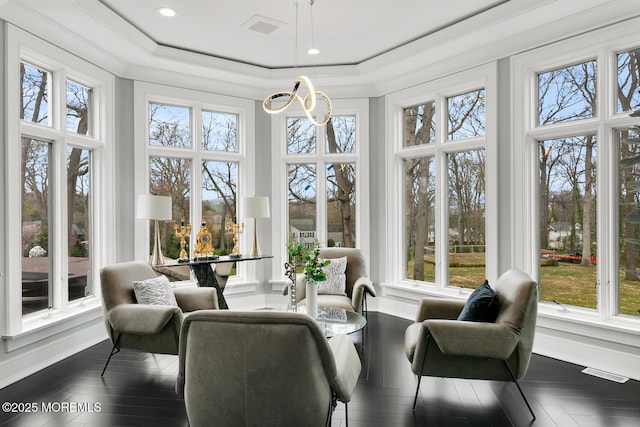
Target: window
{"type": "Point", "coordinates": [443, 180]}
{"type": "Point", "coordinates": [53, 249]}
{"type": "Point", "coordinates": [198, 153]}
{"type": "Point", "coordinates": [325, 198]}
{"type": "Point", "coordinates": [582, 178]}
{"type": "Point", "coordinates": [339, 197]}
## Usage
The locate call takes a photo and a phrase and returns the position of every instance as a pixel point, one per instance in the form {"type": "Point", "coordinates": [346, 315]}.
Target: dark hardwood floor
{"type": "Point", "coordinates": [138, 390]}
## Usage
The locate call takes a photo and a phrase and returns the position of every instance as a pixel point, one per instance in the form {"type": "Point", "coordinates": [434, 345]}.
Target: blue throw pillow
{"type": "Point", "coordinates": [482, 305]}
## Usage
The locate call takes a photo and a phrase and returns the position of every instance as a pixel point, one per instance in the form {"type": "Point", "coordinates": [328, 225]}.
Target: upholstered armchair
{"type": "Point", "coordinates": [146, 327]}
{"type": "Point", "coordinates": [357, 284]}
{"type": "Point", "coordinates": [439, 345]}
{"type": "Point", "coordinates": [266, 368]}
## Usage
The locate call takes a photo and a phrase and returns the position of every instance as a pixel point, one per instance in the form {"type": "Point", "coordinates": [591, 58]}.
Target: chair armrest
{"type": "Point", "coordinates": [196, 298]}
{"type": "Point", "coordinates": [439, 308]}
{"type": "Point", "coordinates": [361, 285]}
{"type": "Point", "coordinates": [348, 366]}
{"type": "Point", "coordinates": [478, 339]}
{"type": "Point", "coordinates": [142, 319]}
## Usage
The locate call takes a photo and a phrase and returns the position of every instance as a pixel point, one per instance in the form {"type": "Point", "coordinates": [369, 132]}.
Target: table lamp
{"type": "Point", "coordinates": [255, 207]}
{"type": "Point", "coordinates": [157, 208]}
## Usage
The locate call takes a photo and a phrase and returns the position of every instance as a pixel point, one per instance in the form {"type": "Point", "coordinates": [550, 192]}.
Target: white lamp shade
{"type": "Point", "coordinates": [255, 207]}
{"type": "Point", "coordinates": [154, 207]}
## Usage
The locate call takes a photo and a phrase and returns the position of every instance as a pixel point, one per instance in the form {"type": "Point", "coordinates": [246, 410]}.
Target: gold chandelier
{"type": "Point", "coordinates": [310, 100]}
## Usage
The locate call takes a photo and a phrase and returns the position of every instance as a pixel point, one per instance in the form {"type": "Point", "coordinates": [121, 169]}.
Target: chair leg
{"type": "Point", "coordinates": [346, 415]}
{"type": "Point", "coordinates": [115, 349]}
{"type": "Point", "coordinates": [415, 399]}
{"type": "Point", "coordinates": [513, 377]}
{"type": "Point", "coordinates": [424, 358]}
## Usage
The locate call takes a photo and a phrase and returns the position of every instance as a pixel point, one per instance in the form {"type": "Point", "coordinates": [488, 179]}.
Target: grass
{"type": "Point", "coordinates": [566, 283]}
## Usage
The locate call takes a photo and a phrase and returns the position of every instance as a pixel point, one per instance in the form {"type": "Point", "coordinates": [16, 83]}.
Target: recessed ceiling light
{"type": "Point", "coordinates": [313, 51]}
{"type": "Point", "coordinates": [166, 11]}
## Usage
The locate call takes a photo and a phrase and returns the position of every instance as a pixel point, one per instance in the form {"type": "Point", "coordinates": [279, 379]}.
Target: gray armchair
{"type": "Point", "coordinates": [263, 368]}
{"type": "Point", "coordinates": [358, 284]}
{"type": "Point", "coordinates": [438, 345]}
{"type": "Point", "coordinates": [152, 328]}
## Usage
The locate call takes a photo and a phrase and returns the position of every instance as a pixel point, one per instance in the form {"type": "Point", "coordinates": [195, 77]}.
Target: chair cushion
{"type": "Point", "coordinates": [482, 305]}
{"type": "Point", "coordinates": [336, 279]}
{"type": "Point", "coordinates": [155, 291]}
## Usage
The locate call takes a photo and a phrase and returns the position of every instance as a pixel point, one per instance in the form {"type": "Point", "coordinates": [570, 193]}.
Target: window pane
{"type": "Point", "coordinates": [170, 177]}
{"type": "Point", "coordinates": [466, 219]}
{"type": "Point", "coordinates": [420, 124]}
{"type": "Point", "coordinates": [78, 108]}
{"type": "Point", "coordinates": [628, 80]}
{"type": "Point", "coordinates": [341, 205]}
{"type": "Point", "coordinates": [78, 225]}
{"type": "Point", "coordinates": [567, 94]}
{"type": "Point", "coordinates": [568, 220]}
{"type": "Point", "coordinates": [36, 289]}
{"type": "Point", "coordinates": [169, 126]}
{"type": "Point", "coordinates": [341, 134]}
{"type": "Point", "coordinates": [219, 131]}
{"type": "Point", "coordinates": [302, 202]}
{"type": "Point", "coordinates": [34, 94]}
{"type": "Point", "coordinates": [466, 115]}
{"type": "Point", "coordinates": [629, 258]}
{"type": "Point", "coordinates": [420, 180]}
{"type": "Point", "coordinates": [301, 136]}
{"type": "Point", "coordinates": [219, 191]}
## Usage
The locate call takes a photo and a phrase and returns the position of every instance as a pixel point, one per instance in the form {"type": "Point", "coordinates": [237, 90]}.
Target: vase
{"type": "Point", "coordinates": [311, 296]}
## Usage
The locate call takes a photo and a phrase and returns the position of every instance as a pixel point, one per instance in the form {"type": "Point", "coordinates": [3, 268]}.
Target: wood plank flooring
{"type": "Point", "coordinates": [138, 390]}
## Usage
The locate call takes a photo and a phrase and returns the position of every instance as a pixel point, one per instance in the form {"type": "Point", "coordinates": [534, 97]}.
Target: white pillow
{"type": "Point", "coordinates": [156, 291]}
{"type": "Point", "coordinates": [336, 280]}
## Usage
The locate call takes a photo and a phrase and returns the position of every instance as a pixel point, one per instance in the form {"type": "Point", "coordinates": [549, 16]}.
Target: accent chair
{"type": "Point", "coordinates": [145, 327]}
{"type": "Point", "coordinates": [439, 345]}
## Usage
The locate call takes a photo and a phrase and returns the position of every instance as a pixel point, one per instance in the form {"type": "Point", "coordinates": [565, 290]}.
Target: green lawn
{"type": "Point", "coordinates": [569, 284]}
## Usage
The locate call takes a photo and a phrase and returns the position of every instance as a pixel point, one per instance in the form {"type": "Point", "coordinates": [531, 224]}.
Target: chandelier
{"type": "Point", "coordinates": [309, 101]}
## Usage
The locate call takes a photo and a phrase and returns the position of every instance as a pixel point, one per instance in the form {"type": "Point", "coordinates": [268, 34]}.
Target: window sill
{"type": "Point", "coordinates": [43, 326]}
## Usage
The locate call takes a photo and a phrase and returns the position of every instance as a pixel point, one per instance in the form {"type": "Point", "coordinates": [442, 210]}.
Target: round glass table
{"type": "Point", "coordinates": [335, 321]}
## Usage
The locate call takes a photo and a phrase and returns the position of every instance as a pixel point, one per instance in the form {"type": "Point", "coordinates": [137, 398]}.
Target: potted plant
{"type": "Point", "coordinates": [313, 268]}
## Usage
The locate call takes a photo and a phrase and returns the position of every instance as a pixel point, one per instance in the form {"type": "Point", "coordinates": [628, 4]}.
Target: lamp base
{"type": "Point", "coordinates": [156, 257]}
{"type": "Point", "coordinates": [255, 248]}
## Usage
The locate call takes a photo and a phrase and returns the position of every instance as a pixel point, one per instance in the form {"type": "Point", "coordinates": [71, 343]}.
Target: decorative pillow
{"type": "Point", "coordinates": [336, 282]}
{"type": "Point", "coordinates": [482, 305]}
{"type": "Point", "coordinates": [156, 291]}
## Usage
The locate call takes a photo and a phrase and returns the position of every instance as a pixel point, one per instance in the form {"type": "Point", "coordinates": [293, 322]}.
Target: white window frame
{"type": "Point", "coordinates": [22, 46]}
{"type": "Point", "coordinates": [144, 93]}
{"type": "Point", "coordinates": [279, 210]}
{"type": "Point", "coordinates": [602, 46]}
{"type": "Point", "coordinates": [483, 77]}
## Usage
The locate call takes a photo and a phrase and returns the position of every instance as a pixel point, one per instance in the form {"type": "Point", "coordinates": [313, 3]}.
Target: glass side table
{"type": "Point", "coordinates": [335, 321]}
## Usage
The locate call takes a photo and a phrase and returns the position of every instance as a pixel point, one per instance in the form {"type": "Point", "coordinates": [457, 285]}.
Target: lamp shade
{"type": "Point", "coordinates": [154, 207]}
{"type": "Point", "coordinates": [255, 207]}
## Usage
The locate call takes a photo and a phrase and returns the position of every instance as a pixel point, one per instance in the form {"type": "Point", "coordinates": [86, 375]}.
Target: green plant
{"type": "Point", "coordinates": [314, 266]}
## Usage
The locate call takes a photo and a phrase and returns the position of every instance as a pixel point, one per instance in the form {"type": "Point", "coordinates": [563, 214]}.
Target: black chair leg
{"type": "Point", "coordinates": [346, 415]}
{"type": "Point", "coordinates": [115, 349]}
{"type": "Point", "coordinates": [513, 377]}
{"type": "Point", "coordinates": [415, 399]}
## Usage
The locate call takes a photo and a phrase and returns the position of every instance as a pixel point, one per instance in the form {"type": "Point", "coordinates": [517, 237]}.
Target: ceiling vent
{"type": "Point", "coordinates": [262, 24]}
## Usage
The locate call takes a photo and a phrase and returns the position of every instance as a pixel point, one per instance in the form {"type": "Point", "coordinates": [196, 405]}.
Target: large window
{"type": "Point", "coordinates": [197, 153]}
{"type": "Point", "coordinates": [322, 171]}
{"type": "Point", "coordinates": [325, 197]}
{"type": "Point", "coordinates": [58, 133]}
{"type": "Point", "coordinates": [443, 151]}
{"type": "Point", "coordinates": [583, 143]}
